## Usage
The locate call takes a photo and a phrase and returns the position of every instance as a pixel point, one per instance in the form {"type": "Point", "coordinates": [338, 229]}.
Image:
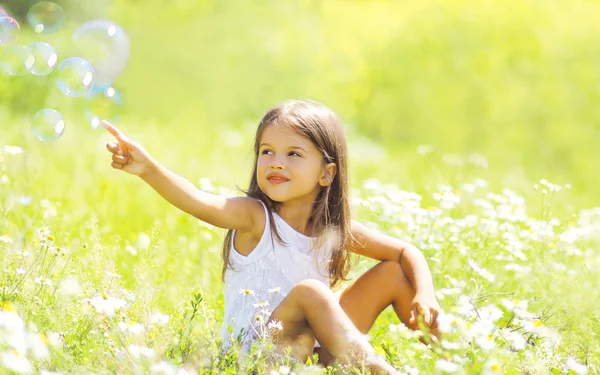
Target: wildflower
{"type": "Point", "coordinates": [411, 370]}
{"type": "Point", "coordinates": [260, 304]}
{"type": "Point", "coordinates": [486, 342]}
{"type": "Point", "coordinates": [275, 325]}
{"type": "Point", "coordinates": [160, 319]}
{"type": "Point", "coordinates": [446, 322]}
{"type": "Point", "coordinates": [106, 304]}
{"type": "Point", "coordinates": [112, 275]}
{"type": "Point", "coordinates": [274, 290]}
{"type": "Point", "coordinates": [247, 292]}
{"type": "Point", "coordinates": [135, 328]}
{"type": "Point", "coordinates": [43, 280]}
{"type": "Point", "coordinates": [491, 313]}
{"type": "Point", "coordinates": [24, 200]}
{"type": "Point", "coordinates": [37, 346]}
{"type": "Point", "coordinates": [143, 241]}
{"type": "Point", "coordinates": [17, 363]}
{"type": "Point", "coordinates": [24, 253]}
{"type": "Point", "coordinates": [7, 306]}
{"type": "Point", "coordinates": [20, 271]}
{"type": "Point", "coordinates": [446, 198]}
{"type": "Point", "coordinates": [6, 239]}
{"type": "Point", "coordinates": [492, 367]}
{"type": "Point", "coordinates": [446, 366]}
{"type": "Point", "coordinates": [482, 271]}
{"type": "Point", "coordinates": [131, 250]}
{"type": "Point", "coordinates": [284, 370]}
{"type": "Point", "coordinates": [137, 351]}
{"type": "Point", "coordinates": [448, 345]}
{"type": "Point", "coordinates": [515, 338]}
{"type": "Point", "coordinates": [576, 367]}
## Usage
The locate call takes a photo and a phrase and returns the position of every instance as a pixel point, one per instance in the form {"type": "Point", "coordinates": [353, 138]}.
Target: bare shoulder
{"type": "Point", "coordinates": [246, 240]}
{"type": "Point", "coordinates": [255, 209]}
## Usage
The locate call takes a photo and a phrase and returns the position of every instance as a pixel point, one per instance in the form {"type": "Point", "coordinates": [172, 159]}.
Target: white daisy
{"type": "Point", "coordinates": [43, 280]}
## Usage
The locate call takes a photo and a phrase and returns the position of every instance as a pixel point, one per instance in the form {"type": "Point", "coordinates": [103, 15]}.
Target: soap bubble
{"type": "Point", "coordinates": [46, 17]}
{"type": "Point", "coordinates": [104, 103]}
{"type": "Point", "coordinates": [45, 58]}
{"type": "Point", "coordinates": [106, 46]}
{"type": "Point", "coordinates": [48, 125]}
{"type": "Point", "coordinates": [75, 77]}
{"type": "Point", "coordinates": [17, 59]}
{"type": "Point", "coordinates": [9, 30]}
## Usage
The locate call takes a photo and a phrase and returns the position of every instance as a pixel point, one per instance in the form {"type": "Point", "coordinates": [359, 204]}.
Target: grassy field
{"type": "Point", "coordinates": [472, 129]}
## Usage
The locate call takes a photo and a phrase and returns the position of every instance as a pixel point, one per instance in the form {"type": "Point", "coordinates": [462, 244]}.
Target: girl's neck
{"type": "Point", "coordinates": [298, 217]}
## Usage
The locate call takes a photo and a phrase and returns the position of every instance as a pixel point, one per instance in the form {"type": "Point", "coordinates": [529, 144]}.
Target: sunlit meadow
{"type": "Point", "coordinates": [472, 130]}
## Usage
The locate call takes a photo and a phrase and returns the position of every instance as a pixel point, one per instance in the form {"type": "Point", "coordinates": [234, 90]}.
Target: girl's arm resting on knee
{"type": "Point", "coordinates": [223, 212]}
{"type": "Point", "coordinates": [383, 247]}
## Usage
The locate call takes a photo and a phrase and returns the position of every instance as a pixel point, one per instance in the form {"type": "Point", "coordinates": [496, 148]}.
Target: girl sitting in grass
{"type": "Point", "coordinates": [289, 241]}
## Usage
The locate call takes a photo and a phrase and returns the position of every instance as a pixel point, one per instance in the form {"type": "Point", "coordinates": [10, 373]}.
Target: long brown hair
{"type": "Point", "coordinates": [331, 210]}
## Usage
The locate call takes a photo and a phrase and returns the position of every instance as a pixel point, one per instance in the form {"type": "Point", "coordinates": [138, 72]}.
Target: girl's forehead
{"type": "Point", "coordinates": [283, 136]}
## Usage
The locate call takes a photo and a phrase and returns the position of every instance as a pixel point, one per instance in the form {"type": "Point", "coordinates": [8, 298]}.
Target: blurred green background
{"type": "Point", "coordinates": [516, 81]}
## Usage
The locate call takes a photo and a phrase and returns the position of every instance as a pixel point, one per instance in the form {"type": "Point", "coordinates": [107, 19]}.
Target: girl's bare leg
{"type": "Point", "coordinates": [311, 311]}
{"type": "Point", "coordinates": [383, 285]}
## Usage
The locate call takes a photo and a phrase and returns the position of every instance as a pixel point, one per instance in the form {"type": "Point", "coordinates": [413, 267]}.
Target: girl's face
{"type": "Point", "coordinates": [290, 167]}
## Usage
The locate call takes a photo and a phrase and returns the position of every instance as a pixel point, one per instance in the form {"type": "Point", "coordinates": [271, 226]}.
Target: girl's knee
{"type": "Point", "coordinates": [309, 288]}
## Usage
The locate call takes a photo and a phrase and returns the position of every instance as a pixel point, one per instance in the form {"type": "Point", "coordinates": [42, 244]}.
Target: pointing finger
{"type": "Point", "coordinates": [113, 130]}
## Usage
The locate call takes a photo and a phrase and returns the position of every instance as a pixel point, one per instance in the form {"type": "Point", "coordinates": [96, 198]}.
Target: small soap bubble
{"type": "Point", "coordinates": [46, 17]}
{"type": "Point", "coordinates": [75, 77]}
{"type": "Point", "coordinates": [17, 60]}
{"type": "Point", "coordinates": [9, 30]}
{"type": "Point", "coordinates": [48, 125]}
{"type": "Point", "coordinates": [106, 46]}
{"type": "Point", "coordinates": [103, 103]}
{"type": "Point", "coordinates": [45, 58]}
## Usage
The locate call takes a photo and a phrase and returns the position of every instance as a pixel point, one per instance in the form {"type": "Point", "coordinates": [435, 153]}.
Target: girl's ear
{"type": "Point", "coordinates": [329, 175]}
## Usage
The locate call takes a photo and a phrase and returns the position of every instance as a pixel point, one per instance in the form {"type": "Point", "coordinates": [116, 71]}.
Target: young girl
{"type": "Point", "coordinates": [290, 239]}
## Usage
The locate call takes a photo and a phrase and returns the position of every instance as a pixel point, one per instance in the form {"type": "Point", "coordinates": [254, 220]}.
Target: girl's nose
{"type": "Point", "coordinates": [277, 166]}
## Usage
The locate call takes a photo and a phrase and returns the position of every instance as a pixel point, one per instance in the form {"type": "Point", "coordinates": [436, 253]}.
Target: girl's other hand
{"type": "Point", "coordinates": [127, 155]}
{"type": "Point", "coordinates": [428, 307]}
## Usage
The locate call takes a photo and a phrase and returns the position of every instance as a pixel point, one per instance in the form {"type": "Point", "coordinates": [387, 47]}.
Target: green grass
{"type": "Point", "coordinates": [515, 82]}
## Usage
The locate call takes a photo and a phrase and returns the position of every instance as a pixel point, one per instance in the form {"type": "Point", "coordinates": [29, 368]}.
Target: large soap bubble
{"type": "Point", "coordinates": [9, 30]}
{"type": "Point", "coordinates": [106, 46]}
{"type": "Point", "coordinates": [46, 17]}
{"type": "Point", "coordinates": [17, 59]}
{"type": "Point", "coordinates": [75, 77]}
{"type": "Point", "coordinates": [45, 58]}
{"type": "Point", "coordinates": [48, 125]}
{"type": "Point", "coordinates": [103, 104]}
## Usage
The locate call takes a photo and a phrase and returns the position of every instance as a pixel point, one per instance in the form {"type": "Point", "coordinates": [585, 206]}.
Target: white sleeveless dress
{"type": "Point", "coordinates": [261, 280]}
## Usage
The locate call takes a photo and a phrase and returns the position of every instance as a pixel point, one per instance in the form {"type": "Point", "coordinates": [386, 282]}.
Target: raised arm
{"type": "Point", "coordinates": [229, 213]}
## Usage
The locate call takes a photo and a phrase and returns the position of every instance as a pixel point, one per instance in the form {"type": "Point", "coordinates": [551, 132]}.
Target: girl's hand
{"type": "Point", "coordinates": [427, 306]}
{"type": "Point", "coordinates": [127, 155]}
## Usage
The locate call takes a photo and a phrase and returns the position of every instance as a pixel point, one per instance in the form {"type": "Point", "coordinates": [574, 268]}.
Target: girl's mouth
{"type": "Point", "coordinates": [277, 181]}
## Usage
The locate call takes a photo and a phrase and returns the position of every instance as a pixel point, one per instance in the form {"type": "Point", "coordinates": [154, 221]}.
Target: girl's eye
{"type": "Point", "coordinates": [265, 151]}
{"type": "Point", "coordinates": [294, 153]}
